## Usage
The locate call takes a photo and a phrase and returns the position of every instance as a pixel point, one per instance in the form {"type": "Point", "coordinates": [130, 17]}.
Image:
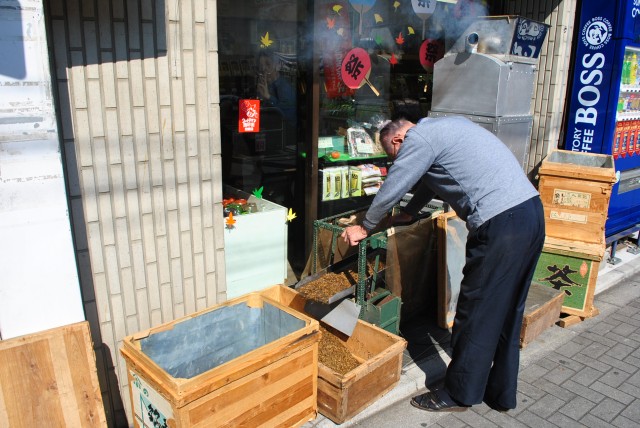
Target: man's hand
{"type": "Point", "coordinates": [354, 234]}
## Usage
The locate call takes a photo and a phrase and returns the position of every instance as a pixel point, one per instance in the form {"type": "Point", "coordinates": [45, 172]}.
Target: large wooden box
{"type": "Point", "coordinates": [341, 397]}
{"type": "Point", "coordinates": [49, 379]}
{"type": "Point", "coordinates": [575, 189]}
{"type": "Point", "coordinates": [248, 362]}
{"type": "Point", "coordinates": [572, 268]}
{"type": "Point", "coordinates": [541, 311]}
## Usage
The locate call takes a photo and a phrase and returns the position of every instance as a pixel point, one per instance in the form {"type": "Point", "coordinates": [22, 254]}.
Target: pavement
{"type": "Point", "coordinates": [585, 375]}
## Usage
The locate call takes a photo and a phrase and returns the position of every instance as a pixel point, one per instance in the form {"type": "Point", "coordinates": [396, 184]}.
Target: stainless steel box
{"type": "Point", "coordinates": [482, 85]}
{"type": "Point", "coordinates": [513, 131]}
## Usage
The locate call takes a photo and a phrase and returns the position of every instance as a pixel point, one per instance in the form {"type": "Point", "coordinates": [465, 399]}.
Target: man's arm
{"type": "Point", "coordinates": [421, 197]}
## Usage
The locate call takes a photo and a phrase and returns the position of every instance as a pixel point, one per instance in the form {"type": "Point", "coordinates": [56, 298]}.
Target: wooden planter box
{"type": "Point", "coordinates": [341, 397]}
{"type": "Point", "coordinates": [575, 189]}
{"type": "Point", "coordinates": [248, 362]}
{"type": "Point", "coordinates": [541, 311]}
{"type": "Point", "coordinates": [572, 268]}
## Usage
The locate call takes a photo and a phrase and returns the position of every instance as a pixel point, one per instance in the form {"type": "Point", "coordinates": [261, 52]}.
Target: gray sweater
{"type": "Point", "coordinates": [461, 162]}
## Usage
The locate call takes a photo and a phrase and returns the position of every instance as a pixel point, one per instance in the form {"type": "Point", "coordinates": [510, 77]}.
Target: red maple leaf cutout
{"type": "Point", "coordinates": [393, 60]}
{"type": "Point", "coordinates": [400, 39]}
{"type": "Point", "coordinates": [331, 22]}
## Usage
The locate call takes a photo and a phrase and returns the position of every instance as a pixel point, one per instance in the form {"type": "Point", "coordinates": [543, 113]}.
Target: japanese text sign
{"type": "Point", "coordinates": [355, 66]}
{"type": "Point", "coordinates": [249, 115]}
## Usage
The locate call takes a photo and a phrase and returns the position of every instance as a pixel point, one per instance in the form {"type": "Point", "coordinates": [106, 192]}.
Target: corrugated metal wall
{"type": "Point", "coordinates": [551, 86]}
{"type": "Point", "coordinates": [137, 85]}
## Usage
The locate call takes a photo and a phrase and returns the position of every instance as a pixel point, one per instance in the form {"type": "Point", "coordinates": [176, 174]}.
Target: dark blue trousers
{"type": "Point", "coordinates": [501, 256]}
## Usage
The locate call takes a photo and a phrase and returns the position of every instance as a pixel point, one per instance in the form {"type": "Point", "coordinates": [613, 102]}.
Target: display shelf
{"type": "Point", "coordinates": [624, 116]}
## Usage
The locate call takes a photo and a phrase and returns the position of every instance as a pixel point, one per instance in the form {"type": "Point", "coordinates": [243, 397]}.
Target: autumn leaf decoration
{"type": "Point", "coordinates": [258, 192]}
{"type": "Point", "coordinates": [230, 221]}
{"type": "Point", "coordinates": [410, 30]}
{"type": "Point", "coordinates": [336, 8]}
{"type": "Point", "coordinates": [265, 41]}
{"type": "Point", "coordinates": [331, 22]}
{"type": "Point", "coordinates": [396, 5]}
{"type": "Point", "coordinates": [400, 39]}
{"type": "Point", "coordinates": [291, 215]}
{"type": "Point", "coordinates": [378, 18]}
{"type": "Point", "coordinates": [393, 60]}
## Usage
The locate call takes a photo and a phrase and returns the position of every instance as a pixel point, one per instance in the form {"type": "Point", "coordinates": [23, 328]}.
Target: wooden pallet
{"type": "Point", "coordinates": [567, 320]}
{"type": "Point", "coordinates": [50, 379]}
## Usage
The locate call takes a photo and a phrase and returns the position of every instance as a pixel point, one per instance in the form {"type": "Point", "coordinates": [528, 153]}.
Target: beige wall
{"type": "Point", "coordinates": [137, 98]}
{"type": "Point", "coordinates": [551, 86]}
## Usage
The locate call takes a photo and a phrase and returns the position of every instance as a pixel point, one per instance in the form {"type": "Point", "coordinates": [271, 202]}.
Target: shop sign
{"type": "Point", "coordinates": [249, 116]}
{"type": "Point", "coordinates": [430, 52]}
{"type": "Point", "coordinates": [591, 80]}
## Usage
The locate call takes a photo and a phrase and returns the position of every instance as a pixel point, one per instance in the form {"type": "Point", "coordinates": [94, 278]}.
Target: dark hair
{"type": "Point", "coordinates": [390, 129]}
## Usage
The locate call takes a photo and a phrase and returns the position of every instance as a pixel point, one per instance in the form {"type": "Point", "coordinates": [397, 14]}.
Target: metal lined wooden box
{"type": "Point", "coordinates": [248, 362]}
{"type": "Point", "coordinates": [575, 189]}
{"type": "Point", "coordinates": [341, 397]}
{"type": "Point", "coordinates": [541, 311]}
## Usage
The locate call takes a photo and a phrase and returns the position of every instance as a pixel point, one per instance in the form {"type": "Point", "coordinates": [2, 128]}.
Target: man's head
{"type": "Point", "coordinates": [392, 136]}
{"type": "Point", "coordinates": [268, 66]}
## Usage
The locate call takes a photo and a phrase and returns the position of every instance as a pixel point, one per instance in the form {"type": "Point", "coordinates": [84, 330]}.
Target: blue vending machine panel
{"type": "Point", "coordinates": [604, 109]}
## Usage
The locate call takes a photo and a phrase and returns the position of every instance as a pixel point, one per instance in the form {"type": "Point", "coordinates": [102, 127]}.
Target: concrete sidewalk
{"type": "Point", "coordinates": [584, 375]}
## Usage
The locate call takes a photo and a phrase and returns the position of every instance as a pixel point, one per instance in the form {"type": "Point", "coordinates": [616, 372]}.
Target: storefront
{"type": "Point", "coordinates": [327, 74]}
{"type": "Point", "coordinates": [141, 87]}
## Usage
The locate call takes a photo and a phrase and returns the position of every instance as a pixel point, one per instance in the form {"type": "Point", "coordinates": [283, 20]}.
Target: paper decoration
{"type": "Point", "coordinates": [396, 5]}
{"type": "Point", "coordinates": [248, 115]}
{"type": "Point", "coordinates": [331, 22]}
{"type": "Point", "coordinates": [337, 8]}
{"type": "Point", "coordinates": [258, 192]}
{"type": "Point", "coordinates": [378, 18]}
{"type": "Point", "coordinates": [400, 39]}
{"type": "Point", "coordinates": [291, 215]}
{"type": "Point", "coordinates": [424, 9]}
{"type": "Point", "coordinates": [410, 30]}
{"type": "Point", "coordinates": [355, 69]}
{"type": "Point", "coordinates": [265, 41]}
{"type": "Point", "coordinates": [230, 221]}
{"type": "Point", "coordinates": [362, 6]}
{"type": "Point", "coordinates": [430, 51]}
{"type": "Point", "coordinates": [393, 60]}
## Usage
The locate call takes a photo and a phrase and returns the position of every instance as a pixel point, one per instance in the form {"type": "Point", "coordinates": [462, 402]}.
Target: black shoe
{"type": "Point", "coordinates": [433, 402]}
{"type": "Point", "coordinates": [497, 407]}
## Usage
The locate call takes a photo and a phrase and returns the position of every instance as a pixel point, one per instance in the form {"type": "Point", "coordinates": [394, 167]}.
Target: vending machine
{"type": "Point", "coordinates": [604, 109]}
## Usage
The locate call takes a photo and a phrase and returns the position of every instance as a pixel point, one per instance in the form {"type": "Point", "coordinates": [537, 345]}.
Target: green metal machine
{"type": "Point", "coordinates": [377, 304]}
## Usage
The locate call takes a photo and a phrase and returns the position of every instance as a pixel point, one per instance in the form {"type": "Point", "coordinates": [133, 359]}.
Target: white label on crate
{"type": "Point", "coordinates": [570, 198]}
{"type": "Point", "coordinates": [573, 218]}
{"type": "Point", "coordinates": [151, 409]}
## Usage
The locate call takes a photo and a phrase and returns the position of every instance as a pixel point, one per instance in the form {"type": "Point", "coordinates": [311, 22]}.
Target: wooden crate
{"type": "Point", "coordinates": [341, 397]}
{"type": "Point", "coordinates": [49, 379]}
{"type": "Point", "coordinates": [541, 311]}
{"type": "Point", "coordinates": [575, 189]}
{"type": "Point", "coordinates": [571, 267]}
{"type": "Point", "coordinates": [248, 362]}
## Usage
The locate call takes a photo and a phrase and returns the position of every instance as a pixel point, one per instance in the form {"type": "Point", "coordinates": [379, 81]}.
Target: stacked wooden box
{"type": "Point", "coordinates": [341, 397]}
{"type": "Point", "coordinates": [575, 189]}
{"type": "Point", "coordinates": [248, 362]}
